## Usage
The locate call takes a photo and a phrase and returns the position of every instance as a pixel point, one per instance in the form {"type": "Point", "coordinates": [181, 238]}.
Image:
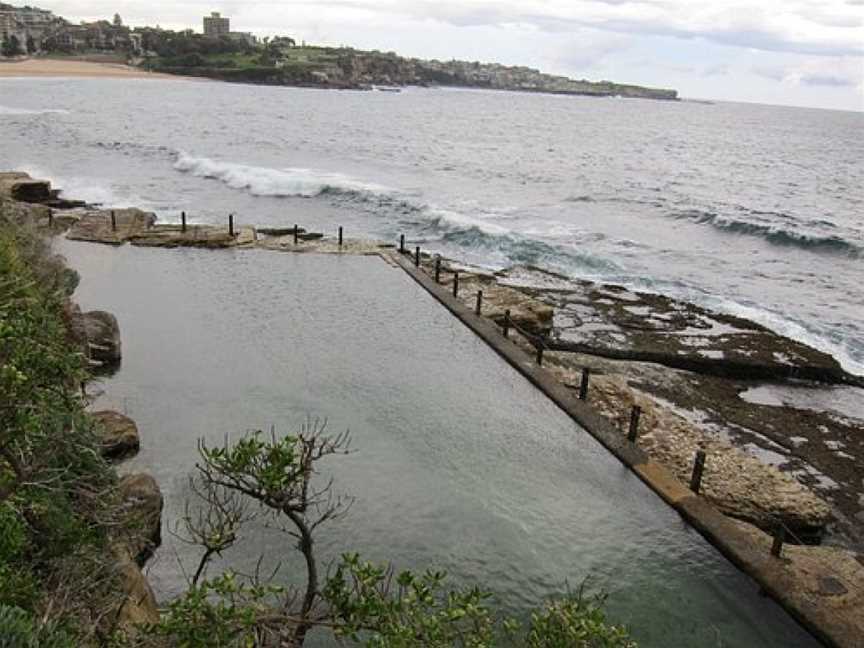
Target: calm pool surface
{"type": "Point", "coordinates": [459, 462]}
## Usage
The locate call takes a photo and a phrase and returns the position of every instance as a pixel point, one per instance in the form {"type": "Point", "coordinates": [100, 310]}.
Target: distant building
{"type": "Point", "coordinates": [27, 24]}
{"type": "Point", "coordinates": [243, 37]}
{"type": "Point", "coordinates": [215, 26]}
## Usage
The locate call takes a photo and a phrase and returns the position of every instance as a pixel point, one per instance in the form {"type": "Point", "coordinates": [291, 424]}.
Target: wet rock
{"type": "Point", "coordinates": [737, 483]}
{"type": "Point", "coordinates": [119, 434]}
{"type": "Point", "coordinates": [617, 323]}
{"type": "Point", "coordinates": [96, 226]}
{"type": "Point", "coordinates": [102, 335]}
{"type": "Point", "coordinates": [141, 502]}
{"type": "Point", "coordinates": [202, 236]}
{"type": "Point", "coordinates": [830, 579]}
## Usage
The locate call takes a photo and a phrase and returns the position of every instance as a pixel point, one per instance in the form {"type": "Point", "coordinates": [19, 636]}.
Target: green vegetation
{"type": "Point", "coordinates": [359, 603]}
{"type": "Point", "coordinates": [11, 46]}
{"type": "Point", "coordinates": [55, 489]}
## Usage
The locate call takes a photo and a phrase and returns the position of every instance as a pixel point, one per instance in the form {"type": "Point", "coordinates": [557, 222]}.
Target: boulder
{"type": "Point", "coordinates": [141, 502]}
{"type": "Point", "coordinates": [139, 603]}
{"type": "Point", "coordinates": [20, 186]}
{"type": "Point", "coordinates": [102, 336]}
{"type": "Point", "coordinates": [119, 434]}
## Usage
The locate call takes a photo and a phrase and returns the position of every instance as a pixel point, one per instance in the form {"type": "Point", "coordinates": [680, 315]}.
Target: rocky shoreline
{"type": "Point", "coordinates": [685, 367]}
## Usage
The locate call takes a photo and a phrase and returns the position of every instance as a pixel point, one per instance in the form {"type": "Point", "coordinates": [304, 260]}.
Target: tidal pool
{"type": "Point", "coordinates": [459, 462]}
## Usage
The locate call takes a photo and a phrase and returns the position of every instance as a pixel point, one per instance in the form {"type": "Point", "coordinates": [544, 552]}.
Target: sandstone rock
{"type": "Point", "coordinates": [829, 578]}
{"type": "Point", "coordinates": [23, 213]}
{"type": "Point", "coordinates": [20, 186]}
{"type": "Point", "coordinates": [738, 484]}
{"type": "Point", "coordinates": [102, 335]}
{"type": "Point", "coordinates": [142, 504]}
{"type": "Point", "coordinates": [203, 236]}
{"type": "Point", "coordinates": [119, 434]}
{"type": "Point", "coordinates": [95, 225]}
{"type": "Point", "coordinates": [139, 605]}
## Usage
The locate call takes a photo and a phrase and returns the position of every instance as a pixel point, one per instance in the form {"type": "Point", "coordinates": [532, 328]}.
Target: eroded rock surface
{"type": "Point", "coordinates": [203, 236]}
{"type": "Point", "coordinates": [119, 434]}
{"type": "Point", "coordinates": [96, 226]}
{"type": "Point", "coordinates": [101, 333]}
{"type": "Point", "coordinates": [142, 505]}
{"type": "Point", "coordinates": [614, 322]}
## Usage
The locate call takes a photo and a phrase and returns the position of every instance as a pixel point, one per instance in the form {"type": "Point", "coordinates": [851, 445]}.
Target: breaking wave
{"type": "Point", "coordinates": [264, 181]}
{"type": "Point", "coordinates": [776, 234]}
{"type": "Point", "coordinates": [6, 110]}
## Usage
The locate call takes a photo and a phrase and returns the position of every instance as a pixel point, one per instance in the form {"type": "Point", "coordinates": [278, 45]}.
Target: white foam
{"type": "Point", "coordinates": [265, 181]}
{"type": "Point", "coordinates": [6, 110]}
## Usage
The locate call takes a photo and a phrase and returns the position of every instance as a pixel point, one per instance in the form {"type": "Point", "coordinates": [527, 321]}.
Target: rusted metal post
{"type": "Point", "coordinates": [455, 284]}
{"type": "Point", "coordinates": [402, 244]}
{"type": "Point", "coordinates": [417, 257]}
{"type": "Point", "coordinates": [183, 222]}
{"type": "Point", "coordinates": [635, 413]}
{"type": "Point", "coordinates": [506, 328]}
{"type": "Point", "coordinates": [438, 269]}
{"type": "Point", "coordinates": [779, 539]}
{"type": "Point", "coordinates": [340, 236]}
{"type": "Point", "coordinates": [113, 221]}
{"type": "Point", "coordinates": [230, 224]}
{"type": "Point", "coordinates": [296, 234]}
{"type": "Point", "coordinates": [479, 304]}
{"type": "Point", "coordinates": [698, 468]}
{"type": "Point", "coordinates": [583, 386]}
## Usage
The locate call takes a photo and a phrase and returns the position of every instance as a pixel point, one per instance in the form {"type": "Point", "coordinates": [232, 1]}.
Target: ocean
{"type": "Point", "coordinates": [749, 209]}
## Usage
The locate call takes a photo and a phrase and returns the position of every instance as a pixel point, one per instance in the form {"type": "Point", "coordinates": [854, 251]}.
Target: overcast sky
{"type": "Point", "coordinates": [794, 52]}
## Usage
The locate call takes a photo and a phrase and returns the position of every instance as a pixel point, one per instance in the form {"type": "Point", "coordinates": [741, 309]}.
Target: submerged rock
{"type": "Point", "coordinates": [142, 503]}
{"type": "Point", "coordinates": [119, 434]}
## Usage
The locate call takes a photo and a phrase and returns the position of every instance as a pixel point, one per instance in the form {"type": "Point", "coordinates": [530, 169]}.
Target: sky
{"type": "Point", "coordinates": [789, 52]}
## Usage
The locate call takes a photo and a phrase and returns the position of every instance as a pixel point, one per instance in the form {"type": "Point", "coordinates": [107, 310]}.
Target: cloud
{"type": "Point", "coordinates": [817, 27]}
{"type": "Point", "coordinates": [835, 73]}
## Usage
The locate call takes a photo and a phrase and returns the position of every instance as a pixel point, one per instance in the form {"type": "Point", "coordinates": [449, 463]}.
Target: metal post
{"type": "Point", "coordinates": [455, 284]}
{"type": "Point", "coordinates": [230, 224]}
{"type": "Point", "coordinates": [479, 302]}
{"type": "Point", "coordinates": [402, 243]}
{"type": "Point", "coordinates": [296, 234]}
{"type": "Point", "coordinates": [438, 269]}
{"type": "Point", "coordinates": [779, 538]}
{"type": "Point", "coordinates": [340, 236]}
{"type": "Point", "coordinates": [50, 218]}
{"type": "Point", "coordinates": [634, 423]}
{"type": "Point", "coordinates": [183, 221]}
{"type": "Point", "coordinates": [417, 257]}
{"type": "Point", "coordinates": [698, 467]}
{"type": "Point", "coordinates": [583, 387]}
{"type": "Point", "coordinates": [506, 323]}
{"type": "Point", "coordinates": [540, 354]}
{"type": "Point", "coordinates": [113, 221]}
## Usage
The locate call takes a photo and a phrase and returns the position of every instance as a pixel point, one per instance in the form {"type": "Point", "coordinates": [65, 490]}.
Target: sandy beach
{"type": "Point", "coordinates": [74, 68]}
